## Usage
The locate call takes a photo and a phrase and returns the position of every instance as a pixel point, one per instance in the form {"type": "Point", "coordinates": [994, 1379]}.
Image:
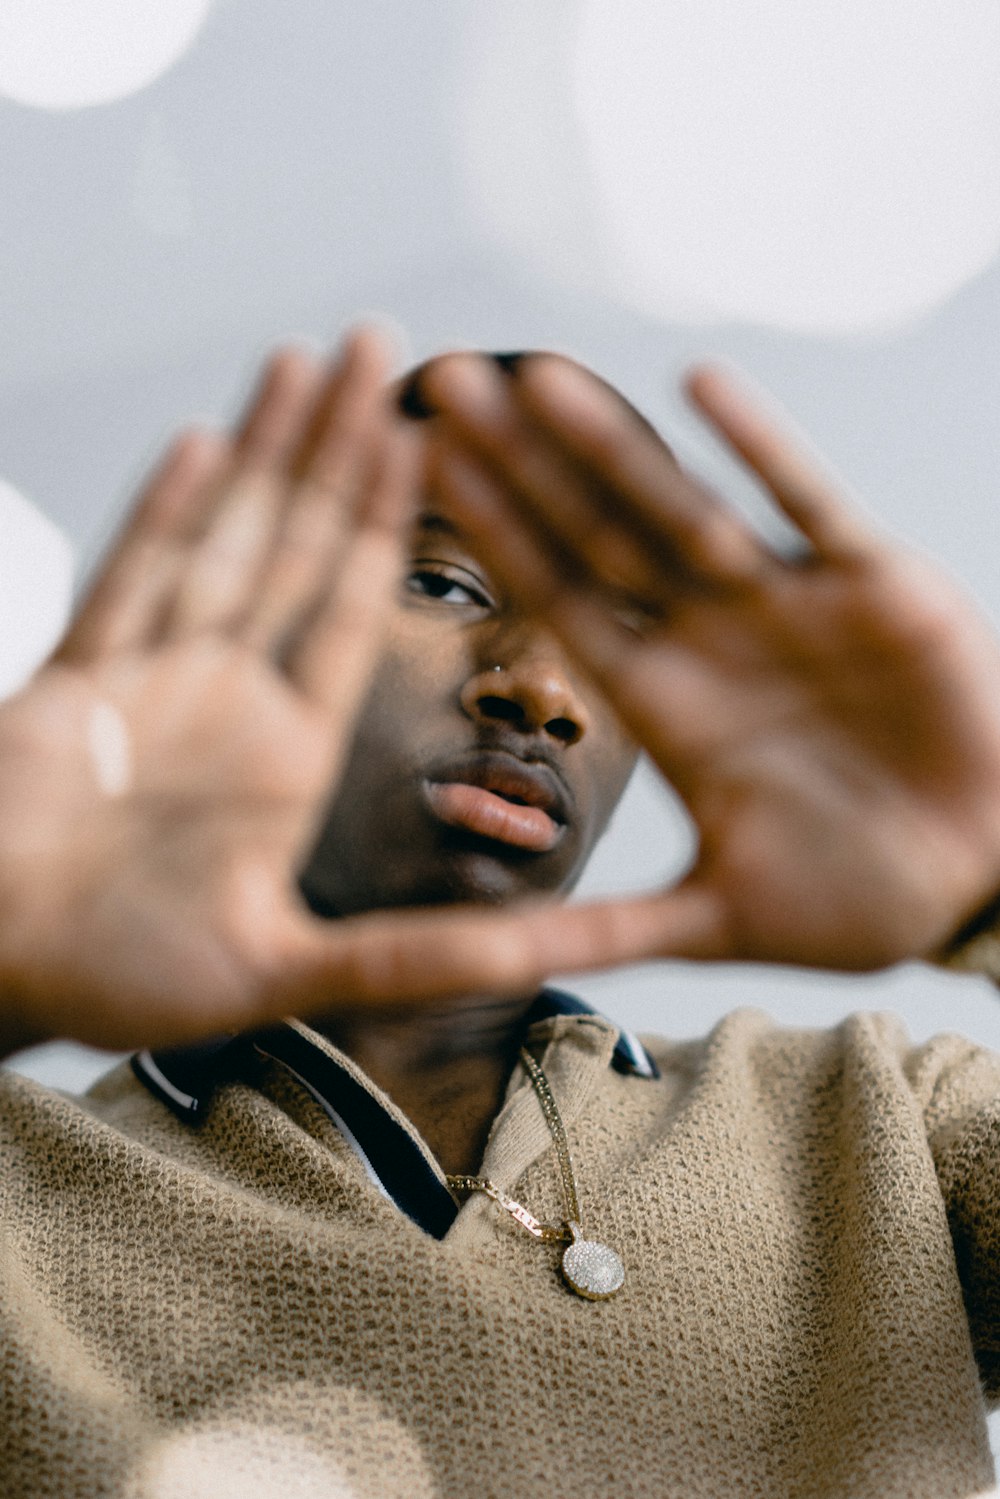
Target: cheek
{"type": "Point", "coordinates": [415, 685]}
{"type": "Point", "coordinates": [615, 757]}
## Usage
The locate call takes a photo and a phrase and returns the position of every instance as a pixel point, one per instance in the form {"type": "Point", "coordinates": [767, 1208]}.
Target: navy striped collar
{"type": "Point", "coordinates": [186, 1079]}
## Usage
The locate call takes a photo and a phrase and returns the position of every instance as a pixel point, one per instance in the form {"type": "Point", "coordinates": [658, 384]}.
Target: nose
{"type": "Point", "coordinates": [527, 687]}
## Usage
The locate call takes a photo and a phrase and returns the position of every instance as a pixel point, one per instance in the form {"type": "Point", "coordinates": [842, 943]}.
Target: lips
{"type": "Point", "coordinates": [497, 795]}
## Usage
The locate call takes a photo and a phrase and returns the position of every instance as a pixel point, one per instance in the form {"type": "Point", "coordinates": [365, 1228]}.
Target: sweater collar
{"type": "Point", "coordinates": [186, 1078]}
{"type": "Point", "coordinates": [394, 1157]}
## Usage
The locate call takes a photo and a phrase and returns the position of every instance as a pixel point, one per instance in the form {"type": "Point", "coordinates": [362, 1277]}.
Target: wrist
{"type": "Point", "coordinates": [975, 947]}
{"type": "Point", "coordinates": [21, 1023]}
{"type": "Point", "coordinates": [16, 1034]}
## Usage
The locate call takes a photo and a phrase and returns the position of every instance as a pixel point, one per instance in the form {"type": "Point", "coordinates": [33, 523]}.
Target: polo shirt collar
{"type": "Point", "coordinates": [186, 1079]}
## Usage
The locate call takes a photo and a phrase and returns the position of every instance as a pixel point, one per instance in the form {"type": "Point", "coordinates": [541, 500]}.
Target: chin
{"type": "Point", "coordinates": [484, 872]}
{"type": "Point", "coordinates": [453, 867]}
{"type": "Point", "coordinates": [483, 880]}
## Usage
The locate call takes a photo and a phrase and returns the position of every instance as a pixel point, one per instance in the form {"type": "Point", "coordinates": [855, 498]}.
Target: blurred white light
{"type": "Point", "coordinates": [36, 587]}
{"type": "Point", "coordinates": [220, 1464]}
{"type": "Point", "coordinates": [828, 167]}
{"type": "Point", "coordinates": [63, 54]}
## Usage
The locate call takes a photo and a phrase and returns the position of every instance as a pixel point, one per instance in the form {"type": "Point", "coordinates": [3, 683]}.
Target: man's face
{"type": "Point", "coordinates": [484, 767]}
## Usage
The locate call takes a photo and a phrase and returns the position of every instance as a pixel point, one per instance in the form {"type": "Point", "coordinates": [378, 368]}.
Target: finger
{"type": "Point", "coordinates": [230, 541]}
{"type": "Point", "coordinates": [651, 672]}
{"type": "Point", "coordinates": [567, 501]}
{"type": "Point", "coordinates": [576, 454]}
{"type": "Point", "coordinates": [637, 673]}
{"type": "Point", "coordinates": [218, 570]}
{"type": "Point", "coordinates": [399, 960]}
{"type": "Point", "coordinates": [271, 427]}
{"type": "Point", "coordinates": [344, 408]}
{"type": "Point", "coordinates": [393, 959]}
{"type": "Point", "coordinates": [333, 657]}
{"type": "Point", "coordinates": [530, 572]}
{"type": "Point", "coordinates": [304, 550]}
{"type": "Point", "coordinates": [127, 596]}
{"type": "Point", "coordinates": [766, 443]}
{"type": "Point", "coordinates": [661, 500]}
{"type": "Point", "coordinates": [520, 556]}
{"type": "Point", "coordinates": [332, 465]}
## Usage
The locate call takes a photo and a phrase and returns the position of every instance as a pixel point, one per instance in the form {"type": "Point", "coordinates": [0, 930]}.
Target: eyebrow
{"type": "Point", "coordinates": [431, 520]}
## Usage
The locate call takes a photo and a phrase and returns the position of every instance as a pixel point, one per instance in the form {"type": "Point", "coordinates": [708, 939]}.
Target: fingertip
{"type": "Point", "coordinates": [367, 349]}
{"type": "Point", "coordinates": [711, 382]}
{"type": "Point", "coordinates": [558, 378]}
{"type": "Point", "coordinates": [197, 451]}
{"type": "Point", "coordinates": [386, 332]}
{"type": "Point", "coordinates": [288, 366]}
{"type": "Point", "coordinates": [199, 443]}
{"type": "Point", "coordinates": [292, 354]}
{"type": "Point", "coordinates": [284, 391]}
{"type": "Point", "coordinates": [424, 390]}
{"type": "Point", "coordinates": [463, 383]}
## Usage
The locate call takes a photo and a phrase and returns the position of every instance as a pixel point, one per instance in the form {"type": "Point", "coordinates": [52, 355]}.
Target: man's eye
{"type": "Point", "coordinates": [446, 586]}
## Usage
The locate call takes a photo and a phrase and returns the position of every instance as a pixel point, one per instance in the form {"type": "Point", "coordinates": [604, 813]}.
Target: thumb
{"type": "Point", "coordinates": [390, 959]}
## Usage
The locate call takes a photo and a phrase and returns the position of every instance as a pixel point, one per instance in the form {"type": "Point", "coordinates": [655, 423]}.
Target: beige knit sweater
{"type": "Point", "coordinates": [810, 1222]}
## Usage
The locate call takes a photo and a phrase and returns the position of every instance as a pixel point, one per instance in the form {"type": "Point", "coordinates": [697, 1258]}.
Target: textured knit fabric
{"type": "Point", "coordinates": [808, 1219]}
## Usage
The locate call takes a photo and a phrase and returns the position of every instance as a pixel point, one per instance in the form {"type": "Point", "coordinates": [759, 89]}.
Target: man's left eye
{"type": "Point", "coordinates": [446, 587]}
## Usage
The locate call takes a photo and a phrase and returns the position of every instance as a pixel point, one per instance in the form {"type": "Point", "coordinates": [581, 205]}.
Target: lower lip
{"type": "Point", "coordinates": [485, 813]}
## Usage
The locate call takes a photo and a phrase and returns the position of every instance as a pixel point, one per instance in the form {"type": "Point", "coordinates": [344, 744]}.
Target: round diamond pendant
{"type": "Point", "coordinates": [591, 1269]}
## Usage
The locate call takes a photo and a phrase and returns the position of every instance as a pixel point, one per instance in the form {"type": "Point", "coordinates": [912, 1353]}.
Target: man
{"type": "Point", "coordinates": [456, 1234]}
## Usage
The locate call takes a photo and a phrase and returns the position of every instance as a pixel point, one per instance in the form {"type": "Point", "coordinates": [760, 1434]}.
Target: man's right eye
{"type": "Point", "coordinates": [450, 586]}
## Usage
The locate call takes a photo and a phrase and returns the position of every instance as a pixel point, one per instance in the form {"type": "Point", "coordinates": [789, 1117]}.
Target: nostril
{"type": "Point", "coordinates": [509, 710]}
{"type": "Point", "coordinates": [501, 707]}
{"type": "Point", "coordinates": [564, 729]}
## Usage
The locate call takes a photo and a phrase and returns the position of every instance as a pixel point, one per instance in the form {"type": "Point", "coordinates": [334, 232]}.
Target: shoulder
{"type": "Point", "coordinates": [752, 1034]}
{"type": "Point", "coordinates": [870, 1052]}
{"type": "Point", "coordinates": [116, 1104]}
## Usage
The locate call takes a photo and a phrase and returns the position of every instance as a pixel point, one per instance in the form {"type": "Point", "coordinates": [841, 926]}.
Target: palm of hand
{"type": "Point", "coordinates": [160, 778]}
{"type": "Point", "coordinates": [836, 735]}
{"type": "Point", "coordinates": [224, 765]}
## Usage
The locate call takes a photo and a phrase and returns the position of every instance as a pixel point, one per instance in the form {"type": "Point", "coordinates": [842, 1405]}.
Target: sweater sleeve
{"type": "Point", "coordinates": [959, 1086]}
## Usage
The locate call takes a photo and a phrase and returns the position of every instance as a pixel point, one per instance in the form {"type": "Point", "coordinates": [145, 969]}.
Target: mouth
{"type": "Point", "coordinates": [496, 795]}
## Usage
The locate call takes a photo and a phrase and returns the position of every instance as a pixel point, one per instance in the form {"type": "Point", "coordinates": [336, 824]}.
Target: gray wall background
{"type": "Point", "coordinates": [299, 164]}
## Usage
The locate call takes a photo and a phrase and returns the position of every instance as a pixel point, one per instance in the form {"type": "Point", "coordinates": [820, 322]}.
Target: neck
{"type": "Point", "coordinates": [446, 1069]}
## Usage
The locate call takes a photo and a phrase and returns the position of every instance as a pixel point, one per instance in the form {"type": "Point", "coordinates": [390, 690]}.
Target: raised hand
{"type": "Point", "coordinates": [161, 777]}
{"type": "Point", "coordinates": [831, 719]}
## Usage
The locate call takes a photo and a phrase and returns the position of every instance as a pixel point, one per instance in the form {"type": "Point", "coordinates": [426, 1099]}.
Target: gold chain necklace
{"type": "Point", "coordinates": [589, 1268]}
